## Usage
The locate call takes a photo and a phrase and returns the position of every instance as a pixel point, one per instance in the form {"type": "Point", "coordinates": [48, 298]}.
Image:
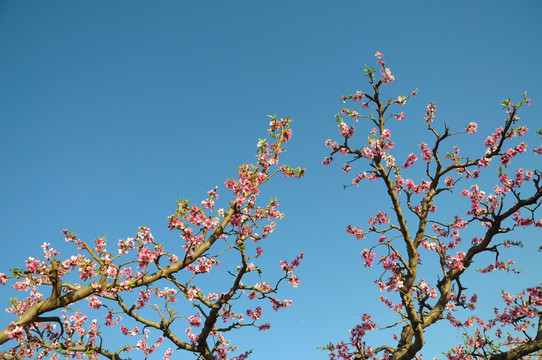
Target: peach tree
{"type": "Point", "coordinates": [490, 198]}
{"type": "Point", "coordinates": [151, 293]}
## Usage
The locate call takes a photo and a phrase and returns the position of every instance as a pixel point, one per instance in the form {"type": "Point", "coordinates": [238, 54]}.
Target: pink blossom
{"type": "Point", "coordinates": [293, 280]}
{"type": "Point", "coordinates": [387, 77]}
{"type": "Point", "coordinates": [33, 265]}
{"type": "Point", "coordinates": [192, 292]}
{"type": "Point", "coordinates": [368, 256]}
{"type": "Point", "coordinates": [428, 245]}
{"type": "Point", "coordinates": [94, 302]}
{"type": "Point", "coordinates": [411, 159]}
{"type": "Point", "coordinates": [14, 331]}
{"type": "Point", "coordinates": [355, 231]}
{"type": "Point", "coordinates": [390, 161]}
{"type": "Point", "coordinates": [427, 153]}
{"type": "Point", "coordinates": [484, 162]}
{"type": "Point", "coordinates": [145, 256]}
{"type": "Point", "coordinates": [471, 128]}
{"type": "Point", "coordinates": [456, 262]}
{"type": "Point", "coordinates": [380, 218]}
{"type": "Point", "coordinates": [255, 314]}
{"type": "Point", "coordinates": [327, 160]}
{"type": "Point", "coordinates": [385, 135]}
{"type": "Point", "coordinates": [430, 113]}
{"type": "Point", "coordinates": [459, 223]}
{"type": "Point", "coordinates": [277, 304]}
{"type": "Point", "coordinates": [449, 181]}
{"type": "Point", "coordinates": [346, 168]}
{"type": "Point", "coordinates": [168, 353]}
{"type": "Point", "coordinates": [195, 320]}
{"type": "Point", "coordinates": [358, 96]}
{"type": "Point", "coordinates": [331, 144]}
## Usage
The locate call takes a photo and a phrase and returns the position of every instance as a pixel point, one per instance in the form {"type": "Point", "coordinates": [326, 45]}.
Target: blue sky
{"type": "Point", "coordinates": [109, 111]}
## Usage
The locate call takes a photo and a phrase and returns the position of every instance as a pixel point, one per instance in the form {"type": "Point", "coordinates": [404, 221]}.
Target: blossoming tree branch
{"type": "Point", "coordinates": [417, 227]}
{"type": "Point", "coordinates": [152, 294]}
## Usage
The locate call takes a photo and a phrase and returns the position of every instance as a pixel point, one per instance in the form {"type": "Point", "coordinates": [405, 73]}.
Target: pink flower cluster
{"type": "Point", "coordinates": [380, 218]}
{"type": "Point", "coordinates": [427, 153]}
{"type": "Point", "coordinates": [411, 159]}
{"type": "Point", "coordinates": [255, 314]}
{"type": "Point", "coordinates": [377, 147]}
{"type": "Point", "coordinates": [368, 257]}
{"type": "Point", "coordinates": [346, 131]}
{"type": "Point", "coordinates": [355, 231]}
{"type": "Point", "coordinates": [430, 113]}
{"type": "Point", "coordinates": [358, 96]}
{"type": "Point", "coordinates": [456, 262]}
{"type": "Point", "coordinates": [471, 128]}
{"type": "Point", "coordinates": [289, 267]}
{"type": "Point", "coordinates": [476, 196]}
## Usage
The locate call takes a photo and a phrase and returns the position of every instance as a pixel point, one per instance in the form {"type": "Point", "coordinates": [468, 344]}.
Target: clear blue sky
{"type": "Point", "coordinates": [111, 110]}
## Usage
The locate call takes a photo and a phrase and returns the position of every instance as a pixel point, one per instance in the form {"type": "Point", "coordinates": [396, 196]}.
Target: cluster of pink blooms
{"type": "Point", "coordinates": [346, 168]}
{"type": "Point", "coordinates": [364, 176]}
{"type": "Point", "coordinates": [377, 148]}
{"type": "Point", "coordinates": [126, 331]}
{"type": "Point", "coordinates": [387, 77]}
{"type": "Point", "coordinates": [427, 153]}
{"type": "Point", "coordinates": [255, 314]}
{"type": "Point", "coordinates": [355, 231]}
{"type": "Point", "coordinates": [520, 312]}
{"type": "Point", "coordinates": [471, 128]}
{"type": "Point", "coordinates": [144, 347]}
{"type": "Point", "coordinates": [411, 159]}
{"type": "Point", "coordinates": [195, 320]}
{"type": "Point", "coordinates": [417, 189]}
{"type": "Point", "coordinates": [492, 141]}
{"type": "Point", "coordinates": [380, 218]}
{"type": "Point", "coordinates": [500, 265]}
{"type": "Point", "coordinates": [358, 332]}
{"type": "Point", "coordinates": [426, 289]}
{"type": "Point", "coordinates": [456, 262]}
{"type": "Point", "coordinates": [398, 308]}
{"type": "Point", "coordinates": [368, 257]}
{"type": "Point", "coordinates": [288, 268]}
{"type": "Point", "coordinates": [476, 196]}
{"type": "Point", "coordinates": [14, 331]}
{"type": "Point", "coordinates": [430, 113]}
{"type": "Point", "coordinates": [346, 131]}
{"type": "Point", "coordinates": [389, 262]}
{"type": "Point", "coordinates": [358, 96]}
{"type": "Point", "coordinates": [506, 158]}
